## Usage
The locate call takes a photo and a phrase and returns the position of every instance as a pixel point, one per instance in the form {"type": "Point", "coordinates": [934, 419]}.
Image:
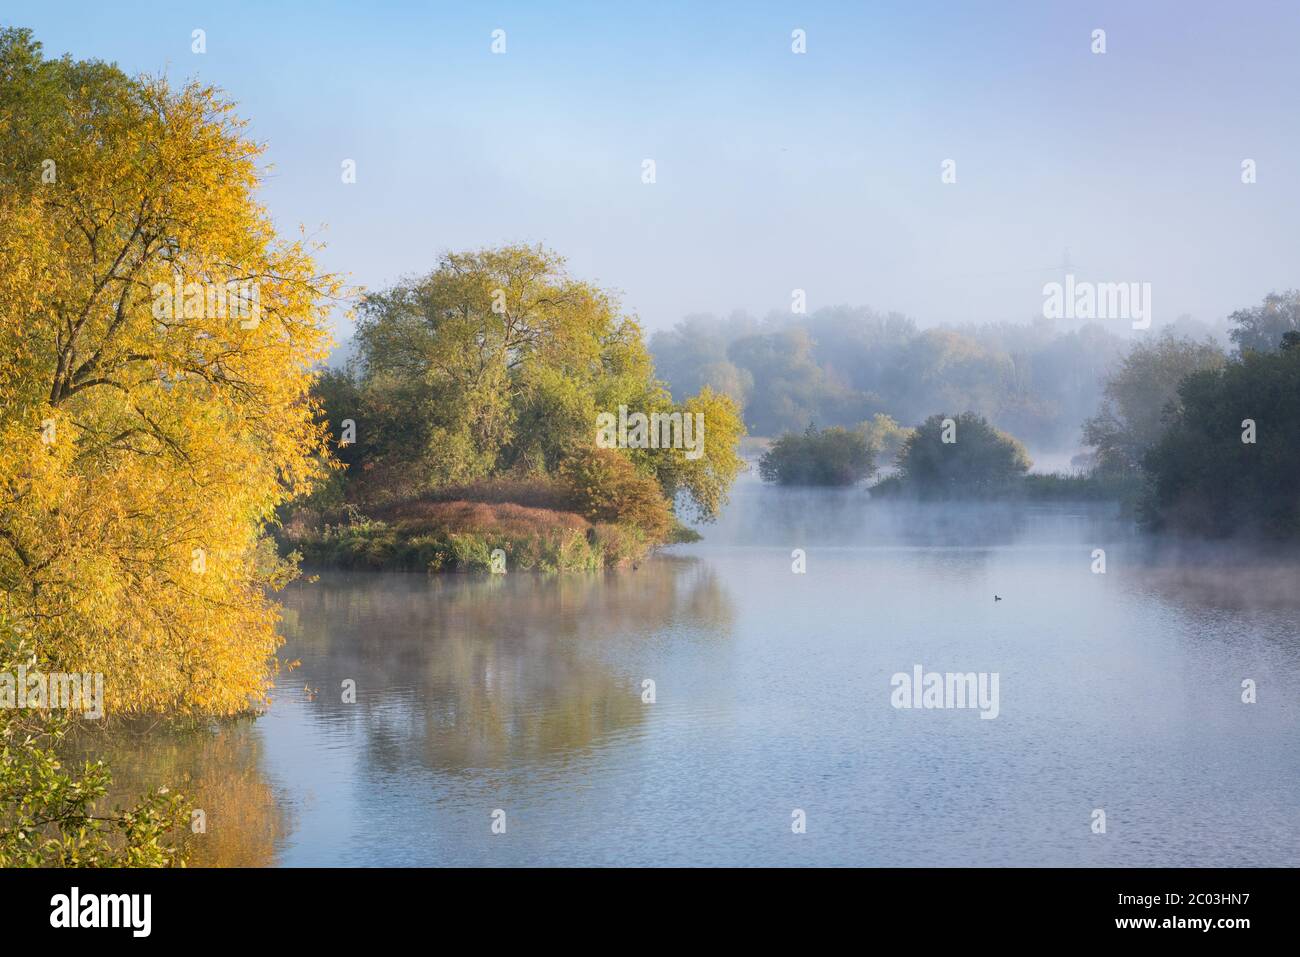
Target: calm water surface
{"type": "Point", "coordinates": [1119, 691]}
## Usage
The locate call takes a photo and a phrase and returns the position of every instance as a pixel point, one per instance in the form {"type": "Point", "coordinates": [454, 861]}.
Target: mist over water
{"type": "Point", "coordinates": [1119, 691]}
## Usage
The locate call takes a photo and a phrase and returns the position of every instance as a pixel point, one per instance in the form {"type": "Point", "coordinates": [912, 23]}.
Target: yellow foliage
{"type": "Point", "coordinates": [142, 451]}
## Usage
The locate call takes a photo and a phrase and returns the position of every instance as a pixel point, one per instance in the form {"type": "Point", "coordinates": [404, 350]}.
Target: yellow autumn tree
{"type": "Point", "coordinates": [156, 350]}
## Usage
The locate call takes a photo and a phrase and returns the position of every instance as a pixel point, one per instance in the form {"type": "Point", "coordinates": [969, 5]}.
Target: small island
{"type": "Point", "coordinates": [472, 430]}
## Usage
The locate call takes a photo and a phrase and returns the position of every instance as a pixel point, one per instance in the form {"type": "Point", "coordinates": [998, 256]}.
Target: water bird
{"type": "Point", "coordinates": [997, 597]}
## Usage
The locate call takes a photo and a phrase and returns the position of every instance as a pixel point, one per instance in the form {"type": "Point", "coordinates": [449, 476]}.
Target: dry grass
{"type": "Point", "coordinates": [533, 492]}
{"type": "Point", "coordinates": [489, 518]}
{"type": "Point", "coordinates": [458, 528]}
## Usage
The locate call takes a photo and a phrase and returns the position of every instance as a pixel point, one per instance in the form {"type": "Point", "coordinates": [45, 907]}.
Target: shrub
{"type": "Point", "coordinates": [979, 461]}
{"type": "Point", "coordinates": [1205, 479]}
{"type": "Point", "coordinates": [48, 814]}
{"type": "Point", "coordinates": [604, 486]}
{"type": "Point", "coordinates": [422, 535]}
{"type": "Point", "coordinates": [833, 456]}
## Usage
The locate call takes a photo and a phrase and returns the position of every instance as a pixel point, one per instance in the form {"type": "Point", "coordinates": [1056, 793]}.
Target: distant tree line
{"type": "Point", "coordinates": [842, 366]}
{"type": "Point", "coordinates": [1212, 438]}
{"type": "Point", "coordinates": [1199, 440]}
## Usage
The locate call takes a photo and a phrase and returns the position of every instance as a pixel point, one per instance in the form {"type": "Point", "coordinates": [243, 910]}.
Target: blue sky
{"type": "Point", "coordinates": [775, 171]}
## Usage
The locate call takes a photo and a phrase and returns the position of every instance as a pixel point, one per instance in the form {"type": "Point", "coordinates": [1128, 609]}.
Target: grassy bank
{"type": "Point", "coordinates": [1049, 487]}
{"type": "Point", "coordinates": [1063, 487]}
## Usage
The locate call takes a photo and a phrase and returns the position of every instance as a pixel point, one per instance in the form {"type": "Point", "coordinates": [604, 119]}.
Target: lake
{"type": "Point", "coordinates": [1118, 691]}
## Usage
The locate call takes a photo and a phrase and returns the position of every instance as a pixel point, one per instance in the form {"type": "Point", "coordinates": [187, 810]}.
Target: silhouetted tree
{"type": "Point", "coordinates": [1208, 478]}
{"type": "Point", "coordinates": [1262, 327]}
{"type": "Point", "coordinates": [833, 456]}
{"type": "Point", "coordinates": [965, 456]}
{"type": "Point", "coordinates": [1137, 394]}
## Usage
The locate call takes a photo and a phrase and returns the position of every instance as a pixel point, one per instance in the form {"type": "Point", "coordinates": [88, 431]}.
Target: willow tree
{"type": "Point", "coordinates": [506, 352]}
{"type": "Point", "coordinates": [499, 361]}
{"type": "Point", "coordinates": [156, 347]}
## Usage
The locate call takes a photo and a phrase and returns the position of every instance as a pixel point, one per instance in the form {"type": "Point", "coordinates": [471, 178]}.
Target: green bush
{"type": "Point", "coordinates": [48, 813]}
{"type": "Point", "coordinates": [833, 456]}
{"type": "Point", "coordinates": [1205, 479]}
{"type": "Point", "coordinates": [979, 461]}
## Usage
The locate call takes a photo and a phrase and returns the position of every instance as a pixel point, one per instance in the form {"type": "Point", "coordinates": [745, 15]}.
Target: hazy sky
{"type": "Point", "coordinates": [775, 171]}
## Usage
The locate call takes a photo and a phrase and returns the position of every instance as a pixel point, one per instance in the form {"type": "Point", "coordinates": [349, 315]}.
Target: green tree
{"type": "Point", "coordinates": [1206, 479]}
{"type": "Point", "coordinates": [499, 363]}
{"type": "Point", "coordinates": [51, 813]}
{"type": "Point", "coordinates": [885, 436]}
{"type": "Point", "coordinates": [1262, 327]}
{"type": "Point", "coordinates": [496, 359]}
{"type": "Point", "coordinates": [833, 456]}
{"type": "Point", "coordinates": [704, 481]}
{"type": "Point", "coordinates": [979, 460]}
{"type": "Point", "coordinates": [1139, 394]}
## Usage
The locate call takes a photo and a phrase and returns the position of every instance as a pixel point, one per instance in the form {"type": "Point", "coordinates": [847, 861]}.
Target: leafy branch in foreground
{"type": "Point", "coordinates": [49, 815]}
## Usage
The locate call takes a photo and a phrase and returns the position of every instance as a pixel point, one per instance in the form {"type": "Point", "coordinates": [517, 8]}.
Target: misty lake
{"type": "Point", "coordinates": [1119, 691]}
